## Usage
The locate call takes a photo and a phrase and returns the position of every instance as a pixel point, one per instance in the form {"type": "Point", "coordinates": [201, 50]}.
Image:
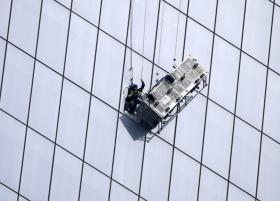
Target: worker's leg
{"type": "Point", "coordinates": [132, 106]}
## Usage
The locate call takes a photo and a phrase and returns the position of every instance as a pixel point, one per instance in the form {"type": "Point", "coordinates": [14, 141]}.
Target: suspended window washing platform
{"type": "Point", "coordinates": [167, 98]}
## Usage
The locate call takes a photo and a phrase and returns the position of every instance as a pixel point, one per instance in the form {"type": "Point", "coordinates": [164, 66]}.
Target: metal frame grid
{"type": "Point", "coordinates": [118, 109]}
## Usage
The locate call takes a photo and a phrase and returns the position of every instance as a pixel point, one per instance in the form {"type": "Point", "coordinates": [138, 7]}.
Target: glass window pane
{"type": "Point", "coordinates": [235, 194]}
{"type": "Point", "coordinates": [45, 101]}
{"type": "Point", "coordinates": [80, 53]}
{"type": "Point", "coordinates": [244, 162]}
{"type": "Point", "coordinates": [101, 136]}
{"type": "Point", "coordinates": [120, 193]}
{"type": "Point", "coordinates": [128, 174]}
{"type": "Point", "coordinates": [6, 194]}
{"type": "Point", "coordinates": [53, 32]}
{"type": "Point", "coordinates": [182, 5]}
{"type": "Point", "coordinates": [251, 91]}
{"type": "Point", "coordinates": [73, 118]}
{"type": "Point", "coordinates": [4, 17]}
{"type": "Point", "coordinates": [275, 41]}
{"type": "Point", "coordinates": [25, 14]}
{"type": "Point", "coordinates": [66, 3]}
{"type": "Point", "coordinates": [199, 43]}
{"type": "Point", "coordinates": [36, 167]}
{"type": "Point", "coordinates": [269, 176]}
{"type": "Point", "coordinates": [89, 9]}
{"type": "Point", "coordinates": [2, 52]}
{"type": "Point", "coordinates": [224, 74]}
{"type": "Point", "coordinates": [230, 20]}
{"type": "Point", "coordinates": [217, 141]}
{"type": "Point", "coordinates": [212, 187]}
{"type": "Point", "coordinates": [143, 27]}
{"type": "Point", "coordinates": [22, 199]}
{"type": "Point", "coordinates": [150, 27]}
{"type": "Point", "coordinates": [257, 28]}
{"type": "Point", "coordinates": [65, 180]}
{"type": "Point", "coordinates": [17, 83]}
{"type": "Point", "coordinates": [169, 44]}
{"type": "Point", "coordinates": [184, 180]}
{"type": "Point", "coordinates": [114, 18]}
{"type": "Point", "coordinates": [11, 146]}
{"type": "Point", "coordinates": [95, 185]}
{"type": "Point", "coordinates": [203, 12]}
{"type": "Point", "coordinates": [109, 61]}
{"type": "Point", "coordinates": [168, 132]}
{"type": "Point", "coordinates": [190, 127]}
{"type": "Point", "coordinates": [272, 107]}
{"type": "Point", "coordinates": [156, 170]}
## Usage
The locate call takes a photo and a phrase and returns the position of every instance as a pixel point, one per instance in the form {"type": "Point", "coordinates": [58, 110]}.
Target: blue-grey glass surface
{"type": "Point", "coordinates": [65, 68]}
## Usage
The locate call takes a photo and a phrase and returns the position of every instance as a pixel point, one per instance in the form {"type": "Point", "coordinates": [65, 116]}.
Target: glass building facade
{"type": "Point", "coordinates": [64, 65]}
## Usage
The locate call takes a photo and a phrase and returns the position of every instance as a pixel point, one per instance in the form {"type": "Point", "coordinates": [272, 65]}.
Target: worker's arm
{"type": "Point", "coordinates": [142, 86]}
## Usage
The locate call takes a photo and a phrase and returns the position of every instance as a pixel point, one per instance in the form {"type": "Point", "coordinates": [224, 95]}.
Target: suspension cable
{"type": "Point", "coordinates": [178, 18]}
{"type": "Point", "coordinates": [131, 29]}
{"type": "Point", "coordinates": [143, 41]}
{"type": "Point", "coordinates": [160, 38]}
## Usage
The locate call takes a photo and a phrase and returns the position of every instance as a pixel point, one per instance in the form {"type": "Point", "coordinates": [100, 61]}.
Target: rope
{"type": "Point", "coordinates": [175, 52]}
{"type": "Point", "coordinates": [143, 41]}
{"type": "Point", "coordinates": [160, 38]}
{"type": "Point", "coordinates": [131, 28]}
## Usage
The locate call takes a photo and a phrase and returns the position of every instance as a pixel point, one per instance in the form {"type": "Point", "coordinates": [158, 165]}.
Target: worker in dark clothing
{"type": "Point", "coordinates": [133, 97]}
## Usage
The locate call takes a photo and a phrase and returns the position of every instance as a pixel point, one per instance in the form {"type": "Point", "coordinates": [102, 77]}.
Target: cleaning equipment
{"type": "Point", "coordinates": [169, 96]}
